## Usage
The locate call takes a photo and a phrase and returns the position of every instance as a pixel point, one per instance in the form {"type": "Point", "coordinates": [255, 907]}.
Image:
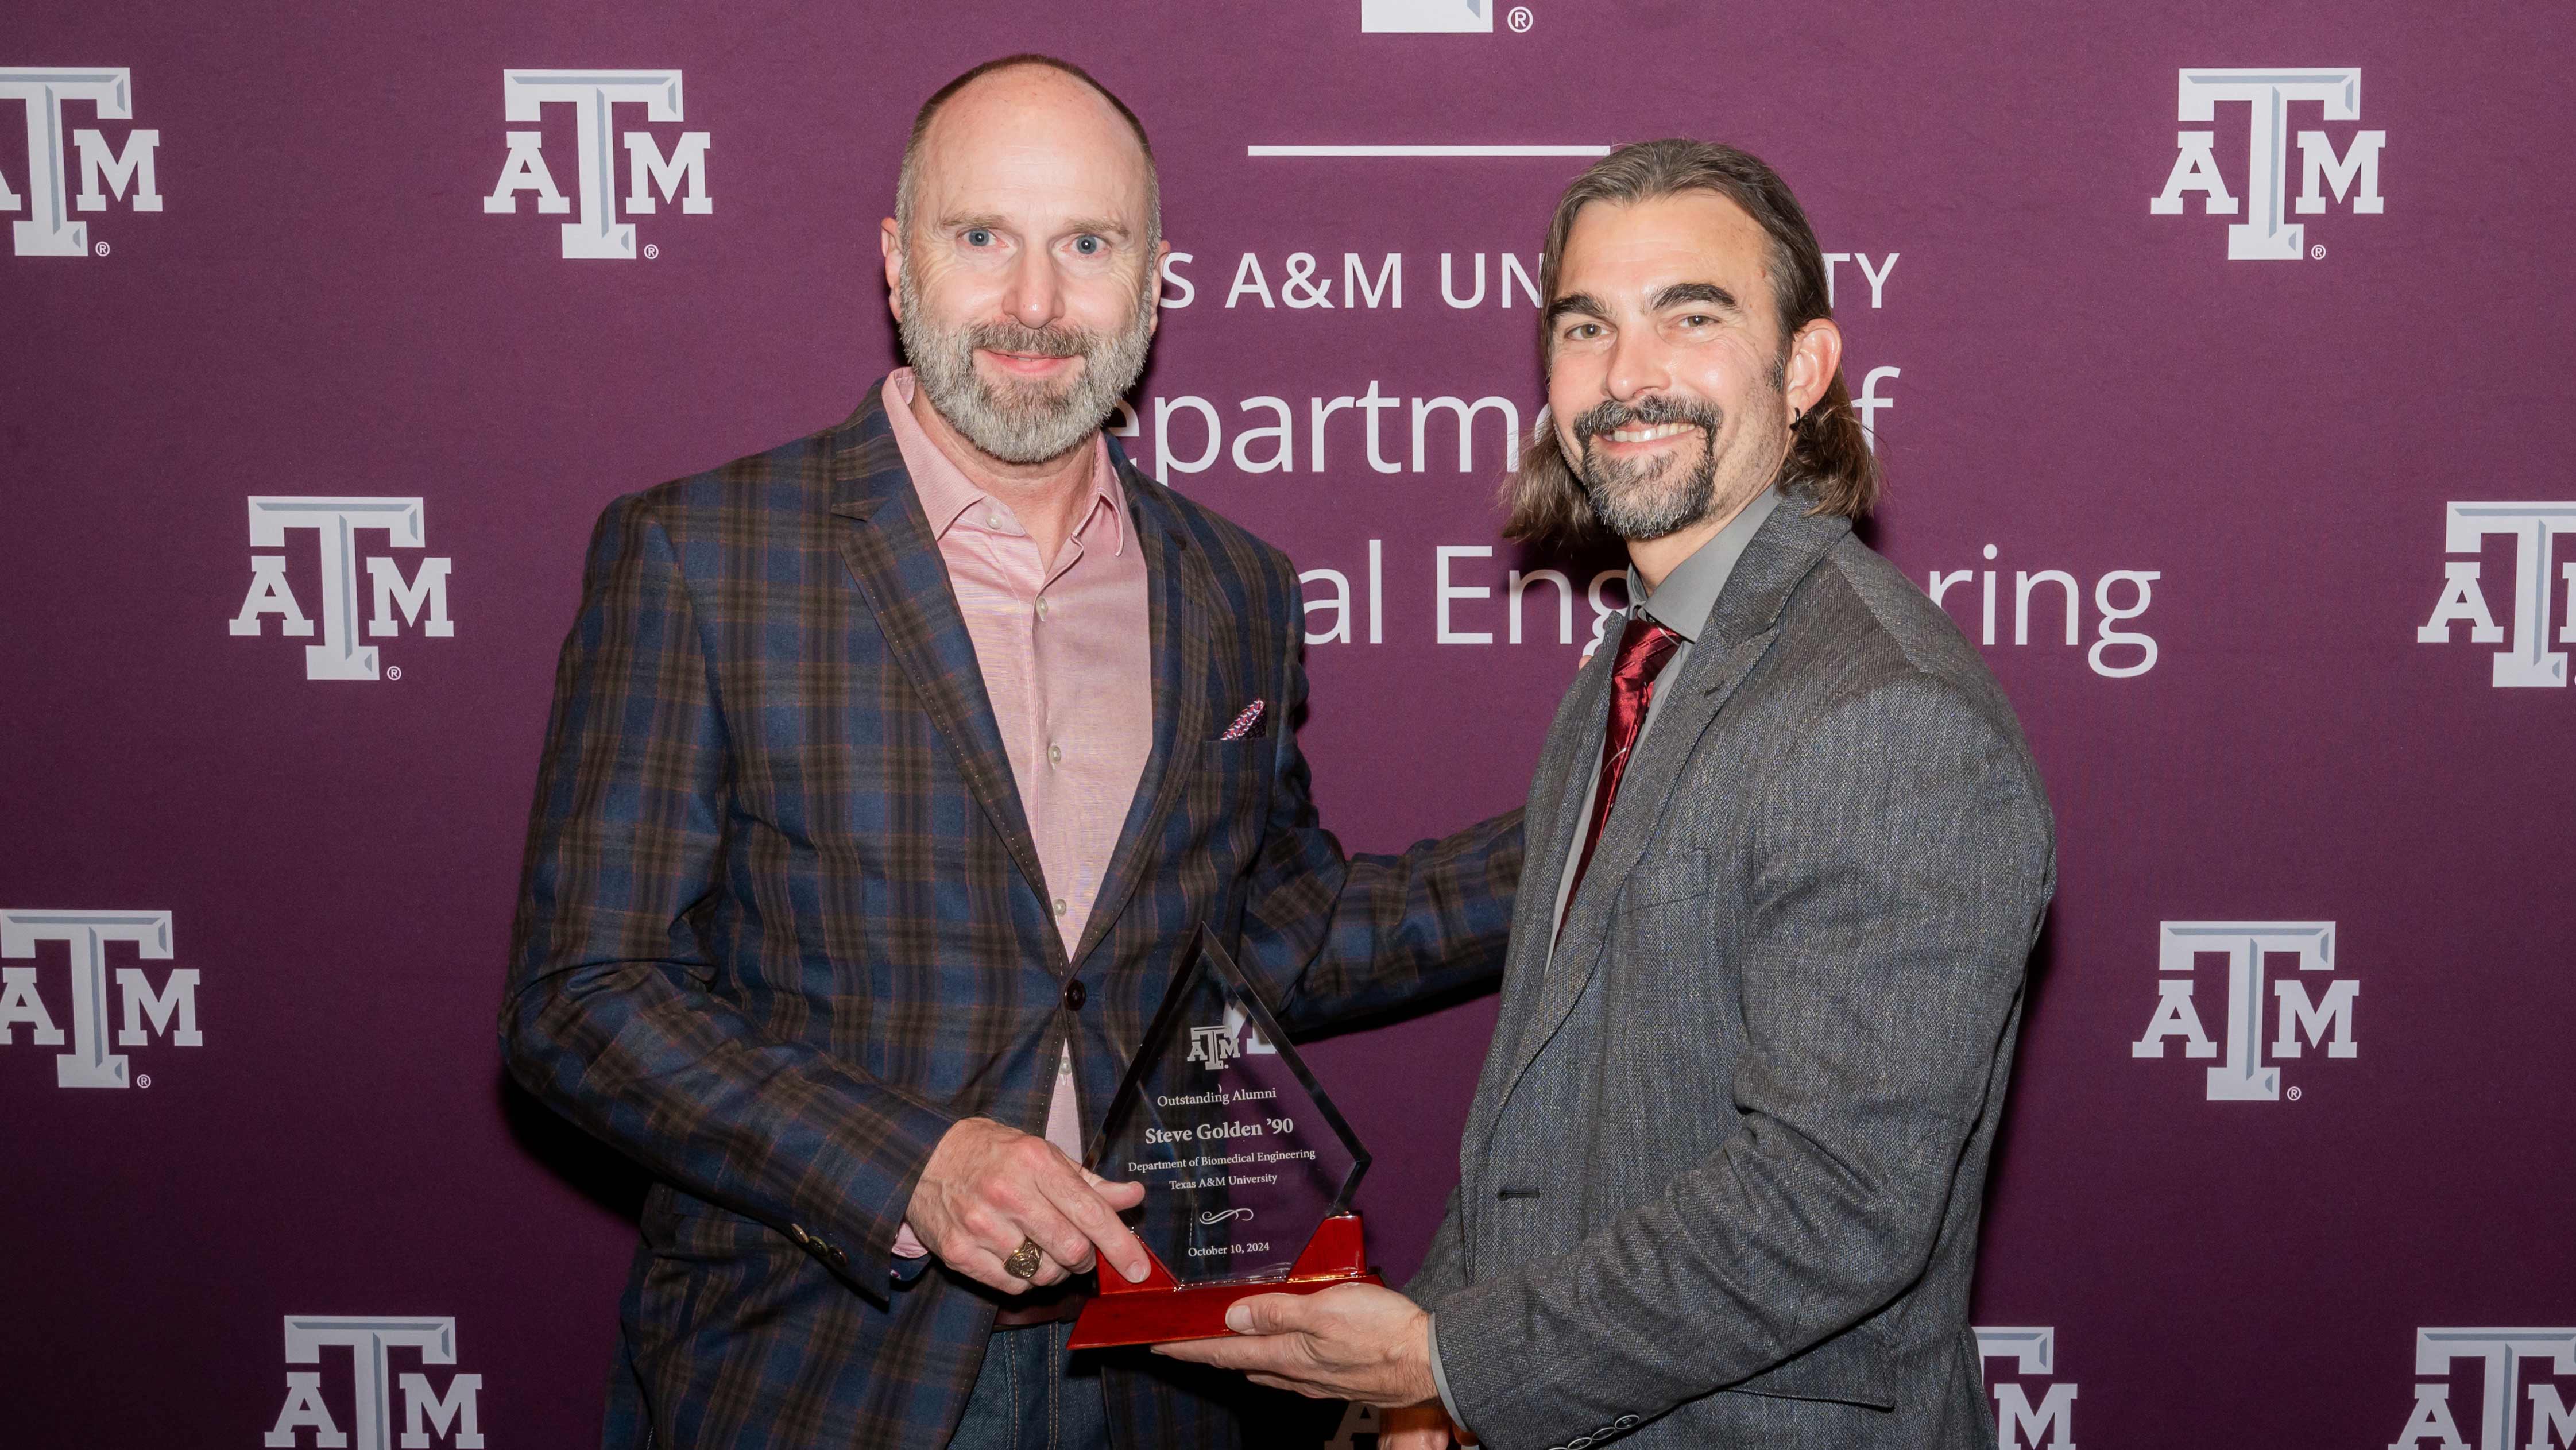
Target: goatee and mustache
{"type": "Point", "coordinates": [1633, 497]}
{"type": "Point", "coordinates": [1022, 420]}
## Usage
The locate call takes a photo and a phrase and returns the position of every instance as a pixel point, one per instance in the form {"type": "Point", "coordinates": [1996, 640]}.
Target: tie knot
{"type": "Point", "coordinates": [1643, 649]}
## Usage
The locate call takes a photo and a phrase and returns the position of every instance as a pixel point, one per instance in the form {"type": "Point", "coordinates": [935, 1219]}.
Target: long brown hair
{"type": "Point", "coordinates": [1829, 464]}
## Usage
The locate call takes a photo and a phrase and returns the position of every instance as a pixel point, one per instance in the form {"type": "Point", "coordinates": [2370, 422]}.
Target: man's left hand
{"type": "Point", "coordinates": [1349, 1342]}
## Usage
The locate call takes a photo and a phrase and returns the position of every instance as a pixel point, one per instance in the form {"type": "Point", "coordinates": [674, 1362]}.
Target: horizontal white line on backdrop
{"type": "Point", "coordinates": [1426, 150]}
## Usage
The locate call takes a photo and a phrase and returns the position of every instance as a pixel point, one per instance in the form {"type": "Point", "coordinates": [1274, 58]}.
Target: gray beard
{"type": "Point", "coordinates": [1022, 422]}
{"type": "Point", "coordinates": [1628, 504]}
{"type": "Point", "coordinates": [1636, 500]}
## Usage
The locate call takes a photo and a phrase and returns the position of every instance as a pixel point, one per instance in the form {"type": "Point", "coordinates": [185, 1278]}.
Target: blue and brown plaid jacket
{"type": "Point", "coordinates": [782, 923]}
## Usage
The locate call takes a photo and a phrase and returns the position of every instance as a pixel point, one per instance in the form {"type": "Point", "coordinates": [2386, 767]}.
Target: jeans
{"type": "Point", "coordinates": [1031, 1397]}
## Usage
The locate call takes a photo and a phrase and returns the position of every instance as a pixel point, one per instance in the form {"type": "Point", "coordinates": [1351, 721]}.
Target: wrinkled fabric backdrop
{"type": "Point", "coordinates": [2218, 337]}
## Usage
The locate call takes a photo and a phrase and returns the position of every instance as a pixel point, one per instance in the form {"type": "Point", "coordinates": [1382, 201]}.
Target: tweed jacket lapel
{"type": "Point", "coordinates": [891, 553]}
{"type": "Point", "coordinates": [1556, 812]}
{"type": "Point", "coordinates": [1557, 803]}
{"type": "Point", "coordinates": [1186, 617]}
{"type": "Point", "coordinates": [1740, 629]}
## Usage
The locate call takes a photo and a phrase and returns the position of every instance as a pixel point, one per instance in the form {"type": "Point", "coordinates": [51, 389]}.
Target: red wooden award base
{"type": "Point", "coordinates": [1161, 1309]}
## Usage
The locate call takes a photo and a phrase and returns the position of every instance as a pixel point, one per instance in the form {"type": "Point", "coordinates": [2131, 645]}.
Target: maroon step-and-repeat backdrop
{"type": "Point", "coordinates": [2215, 354]}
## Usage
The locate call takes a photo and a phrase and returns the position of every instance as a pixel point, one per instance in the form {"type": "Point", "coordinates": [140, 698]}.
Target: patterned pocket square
{"type": "Point", "coordinates": [1244, 722]}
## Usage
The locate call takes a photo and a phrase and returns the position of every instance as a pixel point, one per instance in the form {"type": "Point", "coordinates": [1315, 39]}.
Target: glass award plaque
{"type": "Point", "coordinates": [1248, 1169]}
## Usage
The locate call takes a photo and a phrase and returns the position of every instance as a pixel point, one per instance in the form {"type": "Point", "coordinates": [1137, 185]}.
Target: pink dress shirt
{"type": "Point", "coordinates": [1064, 647]}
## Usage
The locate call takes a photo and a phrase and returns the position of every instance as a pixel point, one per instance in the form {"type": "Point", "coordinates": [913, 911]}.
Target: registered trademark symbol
{"type": "Point", "coordinates": [143, 1079]}
{"type": "Point", "coordinates": [2294, 1093]}
{"type": "Point", "coordinates": [393, 672]}
{"type": "Point", "coordinates": [1520, 20]}
{"type": "Point", "coordinates": [101, 249]}
{"type": "Point", "coordinates": [654, 249]}
{"type": "Point", "coordinates": [2319, 250]}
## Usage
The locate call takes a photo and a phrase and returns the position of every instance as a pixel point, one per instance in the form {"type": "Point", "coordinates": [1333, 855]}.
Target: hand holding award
{"type": "Point", "coordinates": [1248, 1169]}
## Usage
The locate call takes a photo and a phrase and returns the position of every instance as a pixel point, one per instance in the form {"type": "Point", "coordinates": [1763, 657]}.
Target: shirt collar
{"type": "Point", "coordinates": [1688, 594]}
{"type": "Point", "coordinates": [948, 495]}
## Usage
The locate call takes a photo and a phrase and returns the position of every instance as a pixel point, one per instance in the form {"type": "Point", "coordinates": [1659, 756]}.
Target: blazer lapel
{"type": "Point", "coordinates": [1556, 811]}
{"type": "Point", "coordinates": [1187, 616]}
{"type": "Point", "coordinates": [1740, 629]}
{"type": "Point", "coordinates": [1557, 797]}
{"type": "Point", "coordinates": [888, 546]}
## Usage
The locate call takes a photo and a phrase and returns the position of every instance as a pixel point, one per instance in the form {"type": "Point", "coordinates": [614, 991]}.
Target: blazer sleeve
{"type": "Point", "coordinates": [1337, 935]}
{"type": "Point", "coordinates": [608, 1016]}
{"type": "Point", "coordinates": [1897, 881]}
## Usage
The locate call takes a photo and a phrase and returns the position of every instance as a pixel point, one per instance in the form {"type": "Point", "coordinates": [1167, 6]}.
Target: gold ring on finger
{"type": "Point", "coordinates": [1024, 1260]}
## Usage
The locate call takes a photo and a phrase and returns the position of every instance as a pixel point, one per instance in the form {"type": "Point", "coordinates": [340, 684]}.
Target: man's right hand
{"type": "Point", "coordinates": [988, 1187]}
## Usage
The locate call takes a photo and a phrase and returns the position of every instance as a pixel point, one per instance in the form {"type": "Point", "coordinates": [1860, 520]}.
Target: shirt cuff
{"type": "Point", "coordinates": [911, 1260]}
{"type": "Point", "coordinates": [1440, 1377]}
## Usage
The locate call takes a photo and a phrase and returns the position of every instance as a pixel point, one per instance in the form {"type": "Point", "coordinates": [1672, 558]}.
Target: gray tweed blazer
{"type": "Point", "coordinates": [1721, 1181]}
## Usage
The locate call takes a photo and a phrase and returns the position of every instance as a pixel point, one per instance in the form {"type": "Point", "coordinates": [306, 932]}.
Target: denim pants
{"type": "Point", "coordinates": [1031, 1397]}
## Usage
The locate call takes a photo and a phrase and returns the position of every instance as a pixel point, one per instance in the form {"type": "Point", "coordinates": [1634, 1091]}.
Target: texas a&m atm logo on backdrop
{"type": "Point", "coordinates": [346, 1402]}
{"type": "Point", "coordinates": [1383, 17]}
{"type": "Point", "coordinates": [84, 993]}
{"type": "Point", "coordinates": [677, 175]}
{"type": "Point", "coordinates": [2019, 1361]}
{"type": "Point", "coordinates": [336, 526]}
{"type": "Point", "coordinates": [2306, 955]}
{"type": "Point", "coordinates": [2534, 530]}
{"type": "Point", "coordinates": [2349, 171]}
{"type": "Point", "coordinates": [2523, 1382]}
{"type": "Point", "coordinates": [42, 193]}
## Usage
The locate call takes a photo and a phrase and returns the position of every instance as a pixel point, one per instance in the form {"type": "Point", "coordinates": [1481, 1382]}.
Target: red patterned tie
{"type": "Point", "coordinates": [1642, 653]}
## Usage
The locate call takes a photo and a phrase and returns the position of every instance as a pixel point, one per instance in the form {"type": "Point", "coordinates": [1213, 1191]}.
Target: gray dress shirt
{"type": "Point", "coordinates": [1682, 604]}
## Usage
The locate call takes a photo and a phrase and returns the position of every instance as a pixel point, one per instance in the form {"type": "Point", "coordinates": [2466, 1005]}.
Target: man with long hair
{"type": "Point", "coordinates": [1721, 1182]}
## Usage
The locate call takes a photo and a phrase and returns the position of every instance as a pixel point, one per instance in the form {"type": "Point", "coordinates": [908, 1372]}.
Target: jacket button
{"type": "Point", "coordinates": [1074, 995]}
{"type": "Point", "coordinates": [797, 1232]}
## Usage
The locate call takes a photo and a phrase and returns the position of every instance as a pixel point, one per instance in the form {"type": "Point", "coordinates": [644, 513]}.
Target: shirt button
{"type": "Point", "coordinates": [1073, 996]}
{"type": "Point", "coordinates": [1055, 755]}
{"type": "Point", "coordinates": [992, 521]}
{"type": "Point", "coordinates": [1059, 906]}
{"type": "Point", "coordinates": [1042, 607]}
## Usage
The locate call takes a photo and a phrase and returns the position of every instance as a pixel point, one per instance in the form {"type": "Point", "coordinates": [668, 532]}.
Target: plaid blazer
{"type": "Point", "coordinates": [782, 923]}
